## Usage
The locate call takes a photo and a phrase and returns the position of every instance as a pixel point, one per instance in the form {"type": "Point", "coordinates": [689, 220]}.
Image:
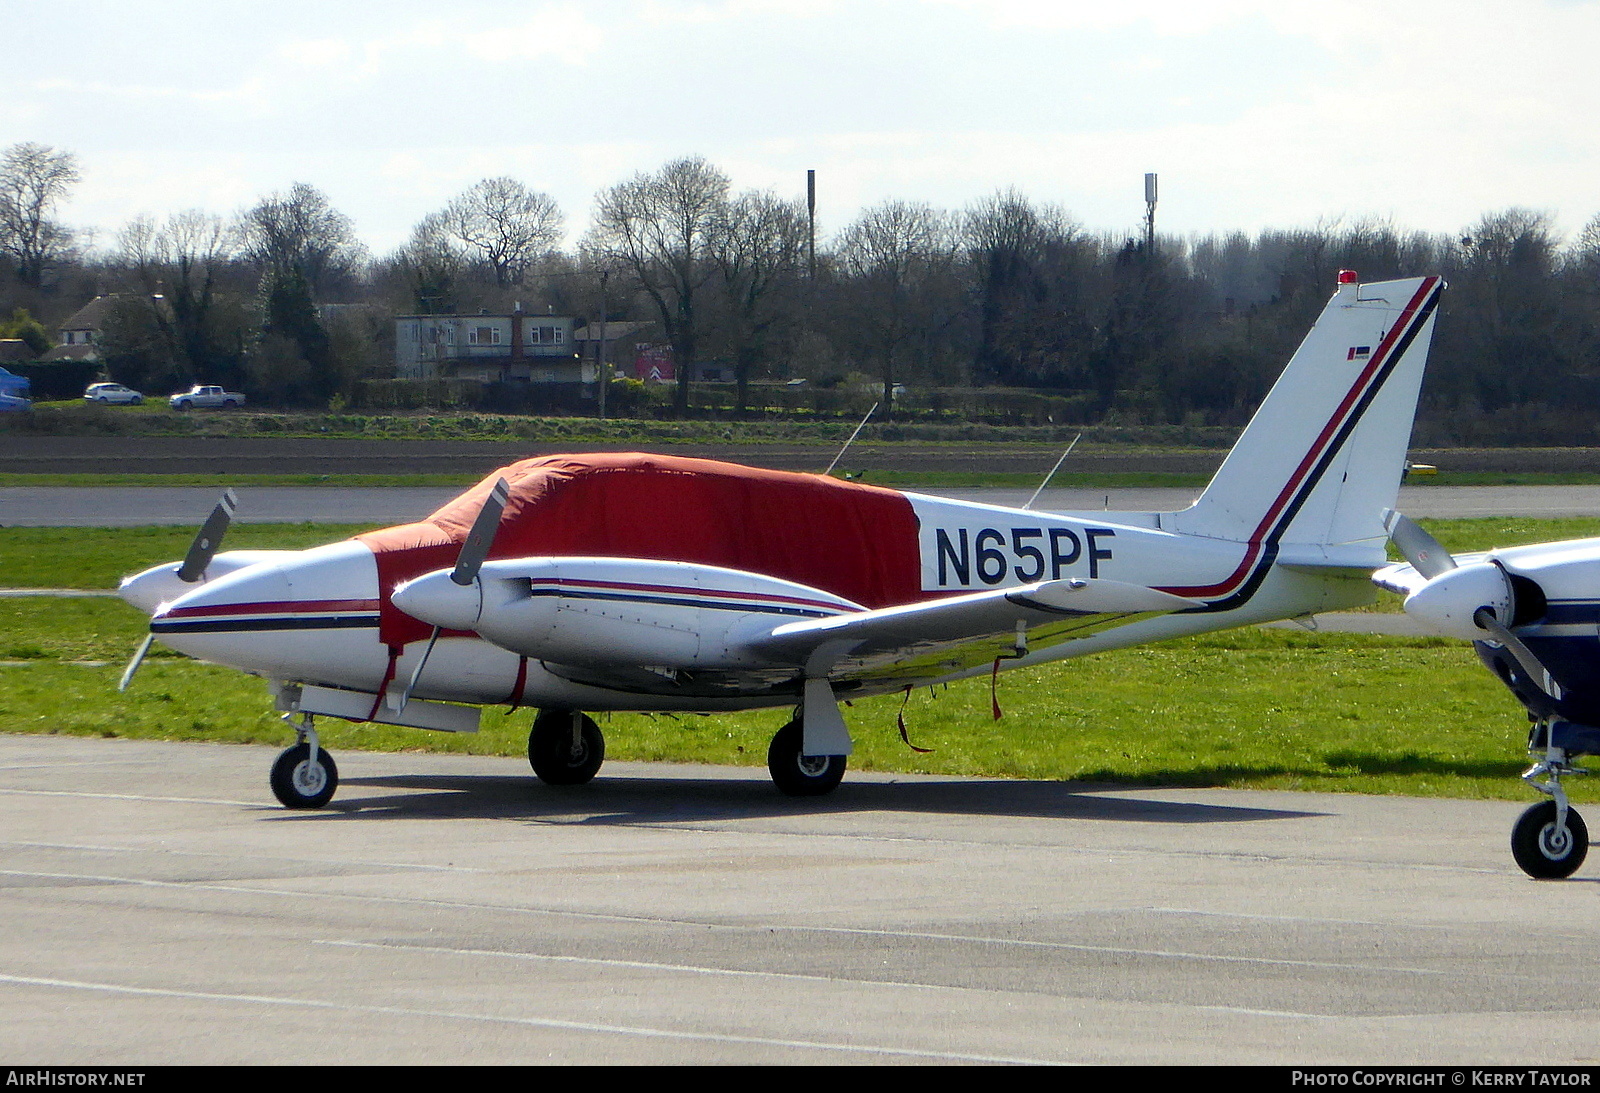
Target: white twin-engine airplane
{"type": "Point", "coordinates": [644, 582]}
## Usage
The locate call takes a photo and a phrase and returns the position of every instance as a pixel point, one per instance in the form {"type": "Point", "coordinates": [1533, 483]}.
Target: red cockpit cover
{"type": "Point", "coordinates": [856, 541]}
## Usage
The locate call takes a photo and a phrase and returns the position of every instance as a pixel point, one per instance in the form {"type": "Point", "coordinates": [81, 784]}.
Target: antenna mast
{"type": "Point", "coordinates": [1150, 212]}
{"type": "Point", "coordinates": [852, 439]}
{"type": "Point", "coordinates": [1053, 471]}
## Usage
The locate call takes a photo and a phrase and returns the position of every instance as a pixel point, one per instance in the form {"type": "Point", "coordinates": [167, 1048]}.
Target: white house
{"type": "Point", "coordinates": [494, 348]}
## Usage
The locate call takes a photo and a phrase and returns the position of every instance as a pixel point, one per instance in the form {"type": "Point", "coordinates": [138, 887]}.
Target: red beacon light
{"type": "Point", "coordinates": [1349, 277]}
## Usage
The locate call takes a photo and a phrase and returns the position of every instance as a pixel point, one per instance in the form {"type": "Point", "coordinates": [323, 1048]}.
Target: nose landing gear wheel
{"type": "Point", "coordinates": [800, 775]}
{"type": "Point", "coordinates": [1545, 852]}
{"type": "Point", "coordinates": [563, 753]}
{"type": "Point", "coordinates": [298, 782]}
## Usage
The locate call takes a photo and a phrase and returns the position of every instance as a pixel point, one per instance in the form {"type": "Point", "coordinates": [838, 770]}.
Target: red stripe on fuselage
{"type": "Point", "coordinates": [1256, 541]}
{"type": "Point", "coordinates": [275, 607]}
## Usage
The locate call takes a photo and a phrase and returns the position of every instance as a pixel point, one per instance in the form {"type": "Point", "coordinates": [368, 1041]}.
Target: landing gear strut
{"type": "Point", "coordinates": [565, 747]}
{"type": "Point", "coordinates": [304, 774]}
{"type": "Point", "coordinates": [1550, 839]}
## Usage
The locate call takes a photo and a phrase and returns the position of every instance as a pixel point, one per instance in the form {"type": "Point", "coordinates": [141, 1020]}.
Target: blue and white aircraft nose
{"type": "Point", "coordinates": [439, 601]}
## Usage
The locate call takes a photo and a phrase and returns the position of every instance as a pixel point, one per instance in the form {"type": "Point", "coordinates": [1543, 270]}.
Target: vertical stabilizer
{"type": "Point", "coordinates": [1322, 459]}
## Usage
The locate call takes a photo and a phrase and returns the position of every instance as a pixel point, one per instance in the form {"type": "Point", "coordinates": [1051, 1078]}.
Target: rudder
{"type": "Point", "coordinates": [1321, 460]}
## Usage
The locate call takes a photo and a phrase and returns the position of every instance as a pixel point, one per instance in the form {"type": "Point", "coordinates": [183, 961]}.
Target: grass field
{"type": "Point", "coordinates": [1258, 708]}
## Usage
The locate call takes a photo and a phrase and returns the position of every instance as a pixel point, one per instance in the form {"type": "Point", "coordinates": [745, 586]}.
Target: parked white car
{"type": "Point", "coordinates": [112, 393]}
{"type": "Point", "coordinates": [201, 397]}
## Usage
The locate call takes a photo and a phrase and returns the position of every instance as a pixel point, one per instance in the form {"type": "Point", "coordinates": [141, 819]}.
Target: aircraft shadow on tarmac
{"type": "Point", "coordinates": [631, 800]}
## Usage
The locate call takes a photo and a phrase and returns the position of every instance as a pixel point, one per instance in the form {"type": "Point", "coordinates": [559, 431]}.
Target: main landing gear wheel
{"type": "Point", "coordinates": [565, 748]}
{"type": "Point", "coordinates": [801, 775]}
{"type": "Point", "coordinates": [1545, 851]}
{"type": "Point", "coordinates": [298, 782]}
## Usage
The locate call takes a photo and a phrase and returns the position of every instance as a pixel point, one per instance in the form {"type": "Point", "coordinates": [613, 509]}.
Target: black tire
{"type": "Point", "coordinates": [229, 404]}
{"type": "Point", "coordinates": [1538, 852]}
{"type": "Point", "coordinates": [800, 775]}
{"type": "Point", "coordinates": [551, 752]}
{"type": "Point", "coordinates": [136, 400]}
{"type": "Point", "coordinates": [186, 405]}
{"type": "Point", "coordinates": [298, 784]}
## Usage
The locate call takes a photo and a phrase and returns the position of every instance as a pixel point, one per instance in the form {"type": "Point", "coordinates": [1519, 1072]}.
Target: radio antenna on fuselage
{"type": "Point", "coordinates": [1053, 471]}
{"type": "Point", "coordinates": [852, 439]}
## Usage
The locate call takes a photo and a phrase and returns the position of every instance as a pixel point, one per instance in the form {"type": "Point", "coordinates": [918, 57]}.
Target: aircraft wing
{"type": "Point", "coordinates": [652, 627]}
{"type": "Point", "coordinates": [931, 639]}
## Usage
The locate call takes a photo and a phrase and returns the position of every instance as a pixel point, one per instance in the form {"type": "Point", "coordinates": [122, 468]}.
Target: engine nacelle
{"type": "Point", "coordinates": [605, 611]}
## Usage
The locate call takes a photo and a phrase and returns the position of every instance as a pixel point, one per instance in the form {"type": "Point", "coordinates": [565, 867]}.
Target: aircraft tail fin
{"type": "Point", "coordinates": [1321, 461]}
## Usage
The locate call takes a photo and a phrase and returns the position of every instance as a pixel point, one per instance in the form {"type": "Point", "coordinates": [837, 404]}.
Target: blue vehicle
{"type": "Point", "coordinates": [14, 402]}
{"type": "Point", "coordinates": [13, 384]}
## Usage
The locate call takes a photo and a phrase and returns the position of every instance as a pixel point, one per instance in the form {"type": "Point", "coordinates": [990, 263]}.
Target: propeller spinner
{"type": "Point", "coordinates": [1476, 601]}
{"type": "Point", "coordinates": [192, 570]}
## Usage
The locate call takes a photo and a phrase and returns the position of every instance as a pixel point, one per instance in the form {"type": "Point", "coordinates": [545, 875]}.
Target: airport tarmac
{"type": "Point", "coordinates": [130, 506]}
{"type": "Point", "coordinates": [161, 908]}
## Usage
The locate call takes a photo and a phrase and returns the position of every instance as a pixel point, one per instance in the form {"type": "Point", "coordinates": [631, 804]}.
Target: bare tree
{"type": "Point", "coordinates": [302, 233]}
{"type": "Point", "coordinates": [1506, 318]}
{"type": "Point", "coordinates": [508, 225]}
{"type": "Point", "coordinates": [33, 178]}
{"type": "Point", "coordinates": [661, 229]}
{"type": "Point", "coordinates": [432, 263]}
{"type": "Point", "coordinates": [181, 261]}
{"type": "Point", "coordinates": [302, 245]}
{"type": "Point", "coordinates": [1033, 271]}
{"type": "Point", "coordinates": [895, 253]}
{"type": "Point", "coordinates": [760, 249]}
{"type": "Point", "coordinates": [1584, 254]}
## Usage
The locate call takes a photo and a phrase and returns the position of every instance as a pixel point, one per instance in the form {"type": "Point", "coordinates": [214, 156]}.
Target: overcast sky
{"type": "Point", "coordinates": [1427, 113]}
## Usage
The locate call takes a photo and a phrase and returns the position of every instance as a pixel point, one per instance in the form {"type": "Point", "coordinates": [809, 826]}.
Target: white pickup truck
{"type": "Point", "coordinates": [203, 397]}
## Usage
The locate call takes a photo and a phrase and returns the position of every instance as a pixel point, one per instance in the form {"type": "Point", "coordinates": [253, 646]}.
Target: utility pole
{"type": "Point", "coordinates": [601, 371]}
{"type": "Point", "coordinates": [811, 224]}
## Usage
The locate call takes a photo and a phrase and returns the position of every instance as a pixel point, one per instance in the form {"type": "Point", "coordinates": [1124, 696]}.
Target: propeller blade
{"type": "Point", "coordinates": [1531, 666]}
{"type": "Point", "coordinates": [1419, 548]}
{"type": "Point", "coordinates": [208, 539]}
{"type": "Point", "coordinates": [473, 554]}
{"type": "Point", "coordinates": [476, 549]}
{"type": "Point", "coordinates": [133, 665]}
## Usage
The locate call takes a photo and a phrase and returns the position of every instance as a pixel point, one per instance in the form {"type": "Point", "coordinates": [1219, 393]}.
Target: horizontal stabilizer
{"type": "Point", "coordinates": [1402, 579]}
{"type": "Point", "coordinates": [1344, 559]}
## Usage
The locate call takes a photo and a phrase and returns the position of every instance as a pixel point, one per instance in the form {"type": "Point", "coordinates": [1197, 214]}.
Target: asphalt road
{"type": "Point", "coordinates": [160, 908]}
{"type": "Point", "coordinates": [96, 506]}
